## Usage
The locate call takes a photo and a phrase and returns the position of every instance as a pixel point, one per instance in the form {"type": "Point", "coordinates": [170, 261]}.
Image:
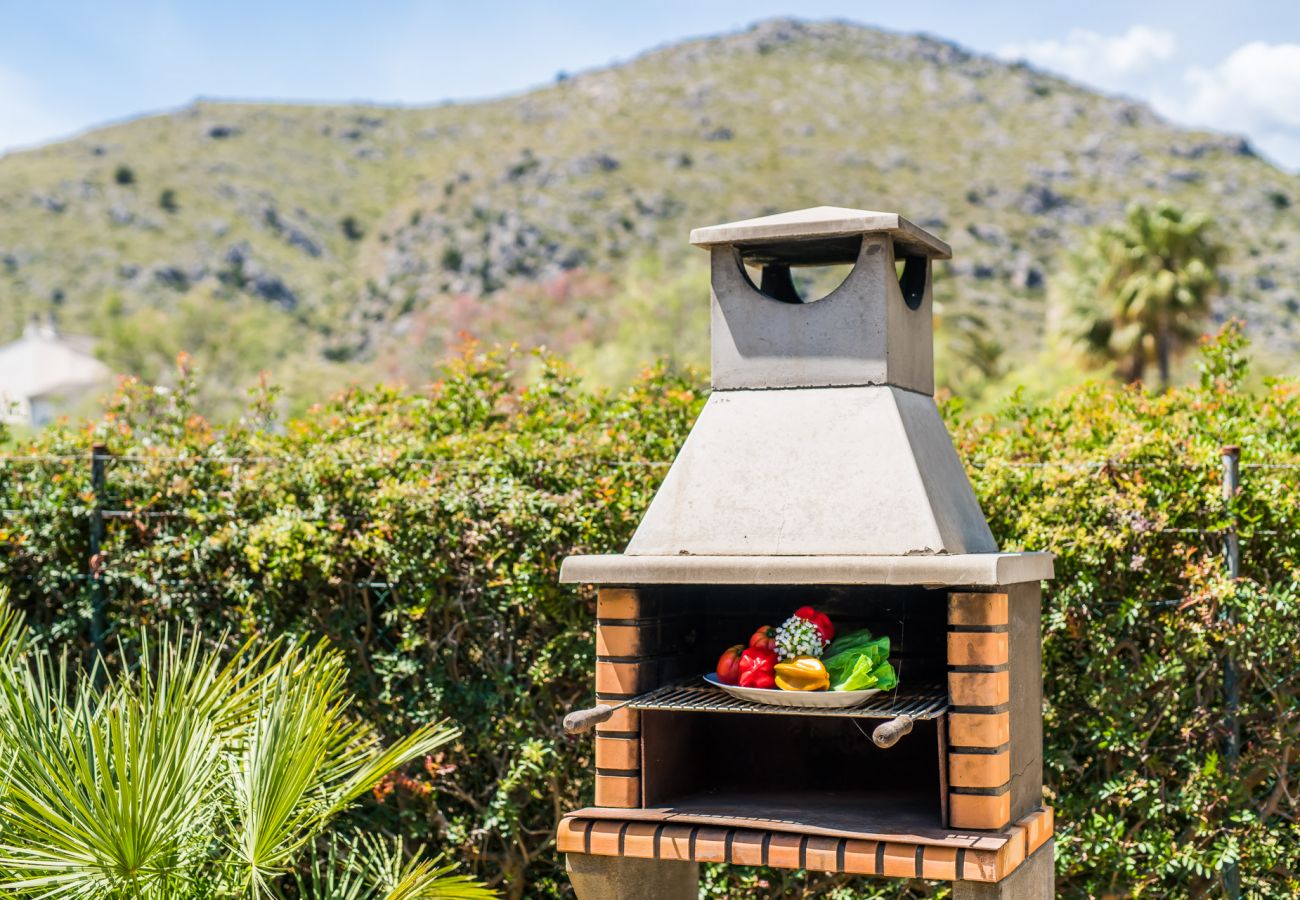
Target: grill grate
{"type": "Point", "coordinates": [920, 702]}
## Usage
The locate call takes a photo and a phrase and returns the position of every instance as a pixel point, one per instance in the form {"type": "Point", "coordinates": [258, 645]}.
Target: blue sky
{"type": "Point", "coordinates": [66, 66]}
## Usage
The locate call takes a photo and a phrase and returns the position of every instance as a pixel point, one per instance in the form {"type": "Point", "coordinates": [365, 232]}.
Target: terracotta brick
{"type": "Point", "coordinates": [975, 648]}
{"type": "Point", "coordinates": [617, 753]}
{"type": "Point", "coordinates": [900, 860]}
{"type": "Point", "coordinates": [783, 851]}
{"type": "Point", "coordinates": [979, 729]}
{"type": "Point", "coordinates": [747, 848]}
{"type": "Point", "coordinates": [979, 770]}
{"type": "Point", "coordinates": [625, 679]}
{"type": "Point", "coordinates": [822, 854]}
{"type": "Point", "coordinates": [966, 688]}
{"type": "Point", "coordinates": [980, 865]}
{"type": "Point", "coordinates": [675, 843]}
{"type": "Point", "coordinates": [639, 840]}
{"type": "Point", "coordinates": [994, 865]}
{"type": "Point", "coordinates": [604, 838]}
{"type": "Point", "coordinates": [617, 603]}
{"type": "Point", "coordinates": [979, 812]}
{"type": "Point", "coordinates": [977, 609]}
{"type": "Point", "coordinates": [1039, 826]}
{"type": "Point", "coordinates": [939, 863]}
{"type": "Point", "coordinates": [624, 719]}
{"type": "Point", "coordinates": [1012, 853]}
{"type": "Point", "coordinates": [618, 791]}
{"type": "Point", "coordinates": [711, 845]}
{"type": "Point", "coordinates": [860, 857]}
{"type": "Point", "coordinates": [618, 640]}
{"type": "Point", "coordinates": [569, 838]}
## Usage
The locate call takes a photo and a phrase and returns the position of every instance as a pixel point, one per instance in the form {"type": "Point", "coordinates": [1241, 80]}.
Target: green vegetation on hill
{"type": "Point", "coordinates": [329, 242]}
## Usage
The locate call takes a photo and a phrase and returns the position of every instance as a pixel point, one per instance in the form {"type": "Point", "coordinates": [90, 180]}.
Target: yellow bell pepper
{"type": "Point", "coordinates": [803, 673]}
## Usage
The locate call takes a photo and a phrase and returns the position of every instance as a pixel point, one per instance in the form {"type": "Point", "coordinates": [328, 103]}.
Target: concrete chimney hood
{"type": "Point", "coordinates": [820, 457]}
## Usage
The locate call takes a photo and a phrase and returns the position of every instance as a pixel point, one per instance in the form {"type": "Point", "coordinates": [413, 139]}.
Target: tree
{"type": "Point", "coordinates": [1140, 290]}
{"type": "Point", "coordinates": [179, 778]}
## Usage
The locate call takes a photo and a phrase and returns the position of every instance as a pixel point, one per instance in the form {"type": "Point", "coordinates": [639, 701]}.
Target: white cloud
{"type": "Point", "coordinates": [1256, 90]}
{"type": "Point", "coordinates": [26, 118]}
{"type": "Point", "coordinates": [1105, 60]}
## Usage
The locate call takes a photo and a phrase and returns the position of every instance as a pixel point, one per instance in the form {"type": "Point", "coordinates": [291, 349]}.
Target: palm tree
{"type": "Point", "coordinates": [179, 778]}
{"type": "Point", "coordinates": [1140, 290]}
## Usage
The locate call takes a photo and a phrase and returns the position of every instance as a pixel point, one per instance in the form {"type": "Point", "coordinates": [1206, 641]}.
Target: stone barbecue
{"type": "Point", "coordinates": [819, 473]}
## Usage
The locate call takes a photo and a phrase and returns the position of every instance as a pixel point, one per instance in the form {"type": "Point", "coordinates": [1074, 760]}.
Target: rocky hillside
{"type": "Point", "coordinates": [326, 241]}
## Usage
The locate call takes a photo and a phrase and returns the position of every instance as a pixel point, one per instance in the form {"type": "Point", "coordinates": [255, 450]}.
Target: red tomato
{"type": "Point", "coordinates": [820, 620]}
{"type": "Point", "coordinates": [729, 665]}
{"type": "Point", "coordinates": [764, 638]}
{"type": "Point", "coordinates": [758, 668]}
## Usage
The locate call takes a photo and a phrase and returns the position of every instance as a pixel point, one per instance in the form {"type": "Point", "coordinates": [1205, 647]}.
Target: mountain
{"type": "Point", "coordinates": [327, 242]}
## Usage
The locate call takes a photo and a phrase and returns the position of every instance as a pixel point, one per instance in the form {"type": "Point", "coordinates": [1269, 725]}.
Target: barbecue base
{"type": "Point", "coordinates": [880, 839]}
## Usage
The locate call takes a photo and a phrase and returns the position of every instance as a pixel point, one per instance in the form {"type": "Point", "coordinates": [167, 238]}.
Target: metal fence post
{"type": "Point", "coordinates": [98, 622]}
{"type": "Point", "coordinates": [1231, 690]}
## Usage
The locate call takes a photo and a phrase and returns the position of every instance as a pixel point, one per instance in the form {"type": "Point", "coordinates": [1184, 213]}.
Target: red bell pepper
{"type": "Point", "coordinates": [758, 668]}
{"type": "Point", "coordinates": [764, 638]}
{"type": "Point", "coordinates": [729, 665]}
{"type": "Point", "coordinates": [820, 620]}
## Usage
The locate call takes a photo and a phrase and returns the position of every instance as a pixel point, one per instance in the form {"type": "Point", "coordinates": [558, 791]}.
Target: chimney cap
{"type": "Point", "coordinates": [820, 235]}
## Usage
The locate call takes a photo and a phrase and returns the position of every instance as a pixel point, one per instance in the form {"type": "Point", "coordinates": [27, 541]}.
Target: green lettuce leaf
{"type": "Point", "coordinates": [859, 662]}
{"type": "Point", "coordinates": [852, 641]}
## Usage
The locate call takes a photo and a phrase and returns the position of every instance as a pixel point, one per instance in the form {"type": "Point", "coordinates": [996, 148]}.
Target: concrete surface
{"type": "Point", "coordinates": [970, 570]}
{"type": "Point", "coordinates": [862, 333]}
{"type": "Point", "coordinates": [863, 471]}
{"type": "Point", "coordinates": [822, 221]}
{"type": "Point", "coordinates": [1033, 879]}
{"type": "Point", "coordinates": [623, 878]}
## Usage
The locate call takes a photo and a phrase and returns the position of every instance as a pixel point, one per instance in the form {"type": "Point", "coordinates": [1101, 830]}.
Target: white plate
{"type": "Point", "coordinates": [778, 697]}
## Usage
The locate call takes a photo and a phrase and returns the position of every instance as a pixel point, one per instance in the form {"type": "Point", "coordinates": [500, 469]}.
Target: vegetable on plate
{"type": "Point", "coordinates": [728, 670]}
{"type": "Point", "coordinates": [764, 638]}
{"type": "Point", "coordinates": [820, 620]}
{"type": "Point", "coordinates": [859, 662]}
{"type": "Point", "coordinates": [757, 668]}
{"type": "Point", "coordinates": [803, 673]}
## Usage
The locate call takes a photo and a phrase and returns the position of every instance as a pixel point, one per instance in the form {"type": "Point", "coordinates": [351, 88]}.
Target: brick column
{"type": "Point", "coordinates": [627, 637]}
{"type": "Point", "coordinates": [995, 691]}
{"type": "Point", "coordinates": [979, 726]}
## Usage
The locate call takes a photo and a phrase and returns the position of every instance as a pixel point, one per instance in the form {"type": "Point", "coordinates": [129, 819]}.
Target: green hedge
{"type": "Point", "coordinates": [421, 530]}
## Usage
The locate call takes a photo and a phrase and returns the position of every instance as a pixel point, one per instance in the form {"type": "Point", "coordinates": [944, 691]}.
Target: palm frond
{"type": "Point", "coordinates": [180, 777]}
{"type": "Point", "coordinates": [106, 792]}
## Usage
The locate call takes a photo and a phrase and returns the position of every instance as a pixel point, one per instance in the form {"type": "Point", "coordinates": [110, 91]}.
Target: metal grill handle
{"type": "Point", "coordinates": [581, 720]}
{"type": "Point", "coordinates": [887, 735]}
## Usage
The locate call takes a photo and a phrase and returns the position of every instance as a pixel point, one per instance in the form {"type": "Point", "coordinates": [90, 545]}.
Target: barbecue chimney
{"type": "Point", "coordinates": [819, 472]}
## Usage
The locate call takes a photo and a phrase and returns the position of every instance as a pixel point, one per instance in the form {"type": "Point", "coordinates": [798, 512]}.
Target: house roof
{"type": "Point", "coordinates": [44, 363]}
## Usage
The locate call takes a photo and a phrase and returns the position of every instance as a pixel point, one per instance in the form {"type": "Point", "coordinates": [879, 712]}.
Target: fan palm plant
{"type": "Point", "coordinates": [1140, 290]}
{"type": "Point", "coordinates": [180, 777]}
